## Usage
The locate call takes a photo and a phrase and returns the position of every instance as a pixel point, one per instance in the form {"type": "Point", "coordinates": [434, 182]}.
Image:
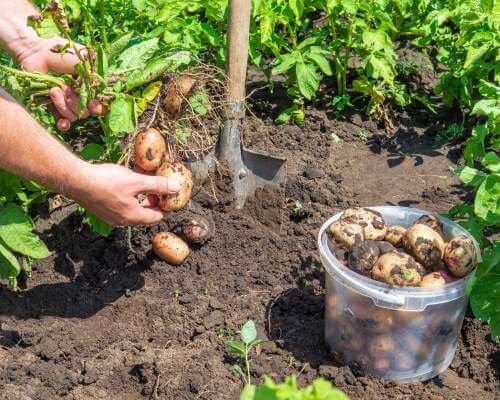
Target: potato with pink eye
{"type": "Point", "coordinates": [344, 235]}
{"type": "Point", "coordinates": [176, 171]}
{"type": "Point", "coordinates": [425, 244]}
{"type": "Point", "coordinates": [434, 279]}
{"type": "Point", "coordinates": [460, 256]}
{"type": "Point", "coordinates": [372, 222]}
{"type": "Point", "coordinates": [150, 149]}
{"type": "Point", "coordinates": [170, 248]}
{"type": "Point", "coordinates": [197, 230]}
{"type": "Point", "coordinates": [394, 235]}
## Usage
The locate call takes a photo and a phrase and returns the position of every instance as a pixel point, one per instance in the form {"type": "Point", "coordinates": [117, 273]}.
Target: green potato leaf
{"type": "Point", "coordinates": [16, 231]}
{"type": "Point", "coordinates": [134, 57]}
{"type": "Point", "coordinates": [122, 115]}
{"type": "Point", "coordinates": [248, 332]}
{"type": "Point", "coordinates": [120, 44]}
{"type": "Point", "coordinates": [307, 79]}
{"type": "Point", "coordinates": [487, 201]}
{"type": "Point", "coordinates": [92, 151]}
{"type": "Point", "coordinates": [9, 266]}
{"type": "Point", "coordinates": [97, 225]}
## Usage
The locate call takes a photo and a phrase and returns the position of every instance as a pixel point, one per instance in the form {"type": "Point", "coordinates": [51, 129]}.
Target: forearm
{"type": "Point", "coordinates": [27, 150]}
{"type": "Point", "coordinates": [16, 37]}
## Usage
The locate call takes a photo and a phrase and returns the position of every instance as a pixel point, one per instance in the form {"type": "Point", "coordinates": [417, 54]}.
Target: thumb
{"type": "Point", "coordinates": [64, 63]}
{"type": "Point", "coordinates": [158, 185]}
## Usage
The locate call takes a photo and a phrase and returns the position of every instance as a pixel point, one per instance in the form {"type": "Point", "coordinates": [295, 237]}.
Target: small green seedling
{"type": "Point", "coordinates": [242, 349]}
{"type": "Point", "coordinates": [362, 135]}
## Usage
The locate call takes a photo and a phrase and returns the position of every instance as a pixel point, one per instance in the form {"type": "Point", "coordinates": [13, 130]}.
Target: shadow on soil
{"type": "Point", "coordinates": [98, 272]}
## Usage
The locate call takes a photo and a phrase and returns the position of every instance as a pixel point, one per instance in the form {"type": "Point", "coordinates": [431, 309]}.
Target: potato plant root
{"type": "Point", "coordinates": [99, 322]}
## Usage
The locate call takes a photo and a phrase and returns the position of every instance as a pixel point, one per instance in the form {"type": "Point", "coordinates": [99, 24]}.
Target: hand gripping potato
{"type": "Point", "coordinates": [432, 222]}
{"type": "Point", "coordinates": [170, 248]}
{"type": "Point", "coordinates": [363, 256]}
{"type": "Point", "coordinates": [372, 222]}
{"type": "Point", "coordinates": [425, 244]}
{"type": "Point", "coordinates": [397, 268]}
{"type": "Point", "coordinates": [344, 234]}
{"type": "Point", "coordinates": [150, 149]}
{"type": "Point", "coordinates": [394, 235]}
{"type": "Point", "coordinates": [460, 256]}
{"type": "Point", "coordinates": [176, 171]}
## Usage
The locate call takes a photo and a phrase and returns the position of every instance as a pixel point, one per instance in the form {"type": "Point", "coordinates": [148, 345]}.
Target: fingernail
{"type": "Point", "coordinates": [174, 185]}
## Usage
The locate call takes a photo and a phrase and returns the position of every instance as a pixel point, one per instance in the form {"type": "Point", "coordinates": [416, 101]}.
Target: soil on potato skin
{"type": "Point", "coordinates": [99, 321]}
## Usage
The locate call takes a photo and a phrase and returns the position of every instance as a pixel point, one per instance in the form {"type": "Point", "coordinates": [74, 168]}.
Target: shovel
{"type": "Point", "coordinates": [249, 170]}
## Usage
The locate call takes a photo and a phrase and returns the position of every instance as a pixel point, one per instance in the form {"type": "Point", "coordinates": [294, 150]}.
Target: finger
{"type": "Point", "coordinates": [150, 201]}
{"type": "Point", "coordinates": [57, 97]}
{"type": "Point", "coordinates": [97, 109]}
{"type": "Point", "coordinates": [147, 216]}
{"type": "Point", "coordinates": [158, 185]}
{"type": "Point", "coordinates": [64, 63]}
{"type": "Point", "coordinates": [63, 124]}
{"type": "Point", "coordinates": [143, 171]}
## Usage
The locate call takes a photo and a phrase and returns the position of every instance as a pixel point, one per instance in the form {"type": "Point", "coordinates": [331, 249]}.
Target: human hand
{"type": "Point", "coordinates": [111, 193]}
{"type": "Point", "coordinates": [39, 57]}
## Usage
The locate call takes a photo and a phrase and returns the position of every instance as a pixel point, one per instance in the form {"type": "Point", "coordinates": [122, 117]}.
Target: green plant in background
{"type": "Point", "coordinates": [244, 347]}
{"type": "Point", "coordinates": [451, 132]}
{"type": "Point", "coordinates": [319, 389]}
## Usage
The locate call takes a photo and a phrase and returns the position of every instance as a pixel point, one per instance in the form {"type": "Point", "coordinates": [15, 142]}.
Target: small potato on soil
{"type": "Point", "coordinates": [344, 235]}
{"type": "Point", "coordinates": [363, 256]}
{"type": "Point", "coordinates": [381, 346]}
{"type": "Point", "coordinates": [397, 268]}
{"type": "Point", "coordinates": [460, 256]}
{"type": "Point", "coordinates": [372, 222]}
{"type": "Point", "coordinates": [432, 222]}
{"type": "Point", "coordinates": [394, 235]}
{"type": "Point", "coordinates": [425, 244]}
{"type": "Point", "coordinates": [434, 279]}
{"type": "Point", "coordinates": [150, 149]}
{"type": "Point", "coordinates": [170, 248]}
{"type": "Point", "coordinates": [197, 230]}
{"type": "Point", "coordinates": [177, 91]}
{"type": "Point", "coordinates": [176, 171]}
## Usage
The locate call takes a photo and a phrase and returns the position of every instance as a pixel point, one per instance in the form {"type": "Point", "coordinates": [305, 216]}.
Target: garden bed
{"type": "Point", "coordinates": [101, 322]}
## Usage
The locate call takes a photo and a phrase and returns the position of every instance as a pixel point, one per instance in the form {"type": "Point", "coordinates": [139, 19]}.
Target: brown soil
{"type": "Point", "coordinates": [99, 321]}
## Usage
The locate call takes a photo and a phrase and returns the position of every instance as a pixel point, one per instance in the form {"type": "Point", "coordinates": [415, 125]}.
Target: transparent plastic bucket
{"type": "Point", "coordinates": [392, 332]}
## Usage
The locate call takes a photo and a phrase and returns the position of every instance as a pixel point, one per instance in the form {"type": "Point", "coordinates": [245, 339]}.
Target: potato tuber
{"type": "Point", "coordinates": [433, 279]}
{"type": "Point", "coordinates": [372, 222]}
{"type": "Point", "coordinates": [170, 248]}
{"type": "Point", "coordinates": [177, 91]}
{"type": "Point", "coordinates": [432, 222]}
{"type": "Point", "coordinates": [395, 234]}
{"type": "Point", "coordinates": [381, 346]}
{"type": "Point", "coordinates": [150, 149]}
{"type": "Point", "coordinates": [363, 256]}
{"type": "Point", "coordinates": [397, 268]}
{"type": "Point", "coordinates": [425, 244]}
{"type": "Point", "coordinates": [344, 234]}
{"type": "Point", "coordinates": [176, 171]}
{"type": "Point", "coordinates": [197, 230]}
{"type": "Point", "coordinates": [460, 256]}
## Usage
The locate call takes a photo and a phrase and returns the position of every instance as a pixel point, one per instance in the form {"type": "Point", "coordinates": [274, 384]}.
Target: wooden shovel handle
{"type": "Point", "coordinates": [237, 50]}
